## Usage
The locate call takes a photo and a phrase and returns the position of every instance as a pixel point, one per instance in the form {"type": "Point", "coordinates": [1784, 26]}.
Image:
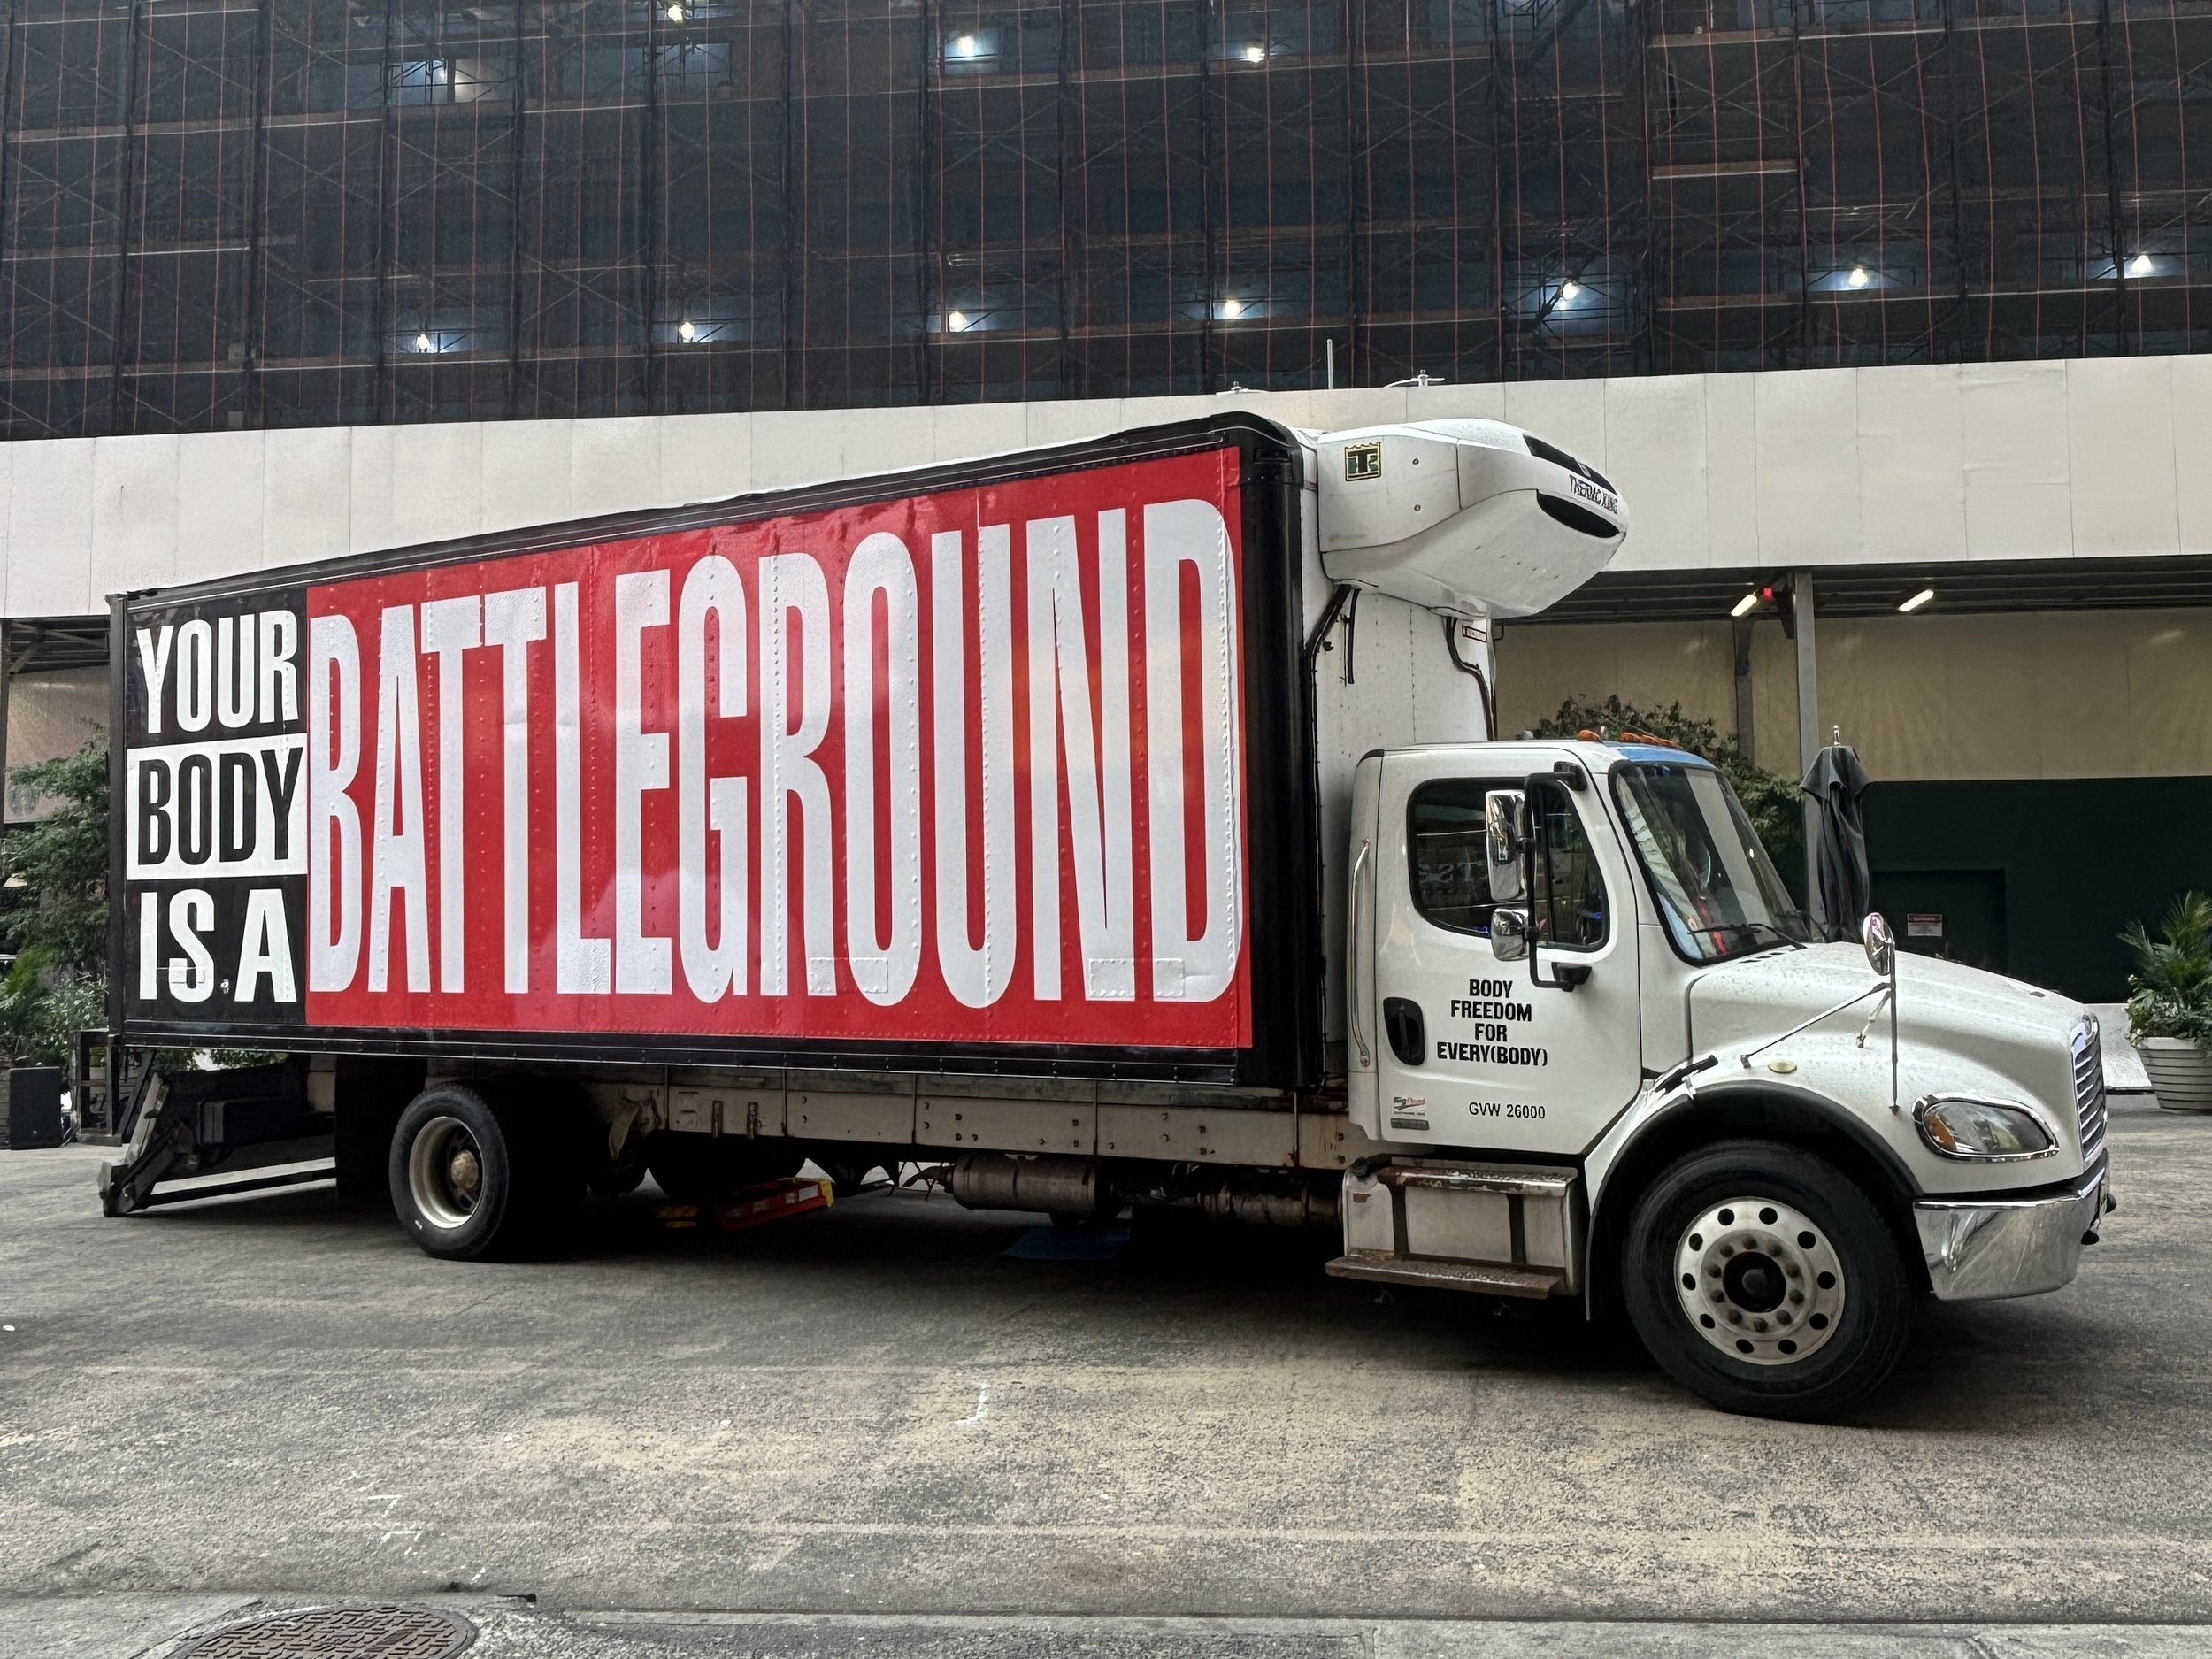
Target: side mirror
{"type": "Point", "coordinates": [1881, 945]}
{"type": "Point", "coordinates": [1509, 932]}
{"type": "Point", "coordinates": [1505, 826]}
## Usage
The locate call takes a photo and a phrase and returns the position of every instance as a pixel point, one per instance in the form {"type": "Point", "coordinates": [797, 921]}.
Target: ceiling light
{"type": "Point", "coordinates": [1917, 600]}
{"type": "Point", "coordinates": [1233, 308]}
{"type": "Point", "coordinates": [1568, 290]}
{"type": "Point", "coordinates": [2140, 265]}
{"type": "Point", "coordinates": [684, 332]}
{"type": "Point", "coordinates": [964, 47]}
{"type": "Point", "coordinates": [423, 343]}
{"type": "Point", "coordinates": [1858, 279]}
{"type": "Point", "coordinates": [675, 14]}
{"type": "Point", "coordinates": [956, 320]}
{"type": "Point", "coordinates": [1255, 54]}
{"type": "Point", "coordinates": [1746, 605]}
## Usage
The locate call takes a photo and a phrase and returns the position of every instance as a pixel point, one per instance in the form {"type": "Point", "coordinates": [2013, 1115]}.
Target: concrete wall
{"type": "Point", "coordinates": [1915, 465]}
{"type": "Point", "coordinates": [2091, 694]}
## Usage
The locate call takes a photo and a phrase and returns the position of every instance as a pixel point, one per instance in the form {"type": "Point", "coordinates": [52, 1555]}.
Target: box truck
{"type": "Point", "coordinates": [1115, 824]}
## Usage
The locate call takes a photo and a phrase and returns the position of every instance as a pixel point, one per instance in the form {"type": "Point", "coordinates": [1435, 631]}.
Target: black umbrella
{"type": "Point", "coordinates": [1837, 780]}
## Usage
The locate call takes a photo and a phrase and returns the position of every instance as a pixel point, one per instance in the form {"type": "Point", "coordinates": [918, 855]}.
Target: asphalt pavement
{"type": "Point", "coordinates": [873, 1429]}
{"type": "Point", "coordinates": [133, 1625]}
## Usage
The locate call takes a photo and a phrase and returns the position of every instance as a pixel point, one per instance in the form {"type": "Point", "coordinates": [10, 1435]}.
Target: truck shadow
{"type": "Point", "coordinates": [1991, 1370]}
{"type": "Point", "coordinates": [2010, 1370]}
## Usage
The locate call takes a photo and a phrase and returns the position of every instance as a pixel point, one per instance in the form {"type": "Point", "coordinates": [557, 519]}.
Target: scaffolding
{"type": "Point", "coordinates": [220, 214]}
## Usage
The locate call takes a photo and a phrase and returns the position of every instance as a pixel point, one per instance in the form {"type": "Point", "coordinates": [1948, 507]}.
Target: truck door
{"type": "Point", "coordinates": [1471, 1051]}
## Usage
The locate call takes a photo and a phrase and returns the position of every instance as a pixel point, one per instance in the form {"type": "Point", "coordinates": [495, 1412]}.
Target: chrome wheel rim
{"type": "Point", "coordinates": [445, 1172]}
{"type": "Point", "coordinates": [1760, 1280]}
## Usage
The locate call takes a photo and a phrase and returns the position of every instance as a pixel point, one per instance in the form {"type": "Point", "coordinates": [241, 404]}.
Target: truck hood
{"type": "Point", "coordinates": [1947, 1015]}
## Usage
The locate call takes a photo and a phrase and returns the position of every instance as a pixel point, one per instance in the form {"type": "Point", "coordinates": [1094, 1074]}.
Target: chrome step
{"type": "Point", "coordinates": [1493, 1279]}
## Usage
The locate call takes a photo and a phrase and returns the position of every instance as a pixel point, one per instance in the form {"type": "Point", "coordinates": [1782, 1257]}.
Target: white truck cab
{"type": "Point", "coordinates": [1608, 1055]}
{"type": "Point", "coordinates": [1576, 972]}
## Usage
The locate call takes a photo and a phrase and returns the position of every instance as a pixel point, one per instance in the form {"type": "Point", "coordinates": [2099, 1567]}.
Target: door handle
{"type": "Point", "coordinates": [1408, 1033]}
{"type": "Point", "coordinates": [1354, 977]}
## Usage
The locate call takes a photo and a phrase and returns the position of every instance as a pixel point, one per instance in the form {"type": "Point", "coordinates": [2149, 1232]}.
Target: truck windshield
{"type": "Point", "coordinates": [1720, 893]}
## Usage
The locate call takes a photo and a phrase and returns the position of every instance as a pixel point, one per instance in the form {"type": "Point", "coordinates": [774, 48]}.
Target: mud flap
{"type": "Point", "coordinates": [371, 1092]}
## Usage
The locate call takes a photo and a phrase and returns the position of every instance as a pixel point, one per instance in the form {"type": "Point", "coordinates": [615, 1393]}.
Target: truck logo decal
{"type": "Point", "coordinates": [1362, 460]}
{"type": "Point", "coordinates": [1576, 485]}
{"type": "Point", "coordinates": [961, 766]}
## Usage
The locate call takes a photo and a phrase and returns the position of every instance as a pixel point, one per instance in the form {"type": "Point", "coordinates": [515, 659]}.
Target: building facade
{"type": "Point", "coordinates": [218, 215]}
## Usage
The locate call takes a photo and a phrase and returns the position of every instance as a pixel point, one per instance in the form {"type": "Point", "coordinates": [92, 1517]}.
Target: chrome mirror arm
{"type": "Point", "coordinates": [1880, 987]}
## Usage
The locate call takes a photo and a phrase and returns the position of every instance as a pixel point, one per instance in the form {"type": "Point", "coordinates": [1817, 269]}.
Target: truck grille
{"type": "Point", "coordinates": [2089, 1090]}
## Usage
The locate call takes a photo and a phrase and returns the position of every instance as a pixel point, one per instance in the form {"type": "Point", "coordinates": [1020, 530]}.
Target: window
{"type": "Point", "coordinates": [444, 80]}
{"type": "Point", "coordinates": [1719, 892]}
{"type": "Point", "coordinates": [696, 66]}
{"type": "Point", "coordinates": [1570, 888]}
{"type": "Point", "coordinates": [1445, 838]}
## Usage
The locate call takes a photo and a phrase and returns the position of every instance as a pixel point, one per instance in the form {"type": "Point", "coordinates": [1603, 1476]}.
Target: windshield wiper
{"type": "Point", "coordinates": [1753, 929]}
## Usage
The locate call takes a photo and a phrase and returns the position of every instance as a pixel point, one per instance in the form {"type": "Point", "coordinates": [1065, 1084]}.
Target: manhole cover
{"type": "Point", "coordinates": [340, 1633]}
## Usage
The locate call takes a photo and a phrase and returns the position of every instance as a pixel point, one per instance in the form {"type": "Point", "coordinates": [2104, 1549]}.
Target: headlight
{"type": "Point", "coordinates": [1963, 1126]}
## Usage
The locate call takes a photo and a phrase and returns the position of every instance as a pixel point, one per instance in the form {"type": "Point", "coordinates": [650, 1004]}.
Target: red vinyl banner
{"type": "Point", "coordinates": [961, 767]}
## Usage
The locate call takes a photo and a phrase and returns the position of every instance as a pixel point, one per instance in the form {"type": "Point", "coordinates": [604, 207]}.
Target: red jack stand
{"type": "Point", "coordinates": [752, 1206]}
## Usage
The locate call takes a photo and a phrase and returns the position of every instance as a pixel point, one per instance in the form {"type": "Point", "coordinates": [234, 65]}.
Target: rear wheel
{"type": "Point", "coordinates": [1762, 1278]}
{"type": "Point", "coordinates": [473, 1176]}
{"type": "Point", "coordinates": [695, 1168]}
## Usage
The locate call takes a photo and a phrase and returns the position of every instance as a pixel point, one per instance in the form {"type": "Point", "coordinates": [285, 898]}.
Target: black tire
{"type": "Point", "coordinates": [1828, 1290]}
{"type": "Point", "coordinates": [695, 1168]}
{"type": "Point", "coordinates": [477, 1176]}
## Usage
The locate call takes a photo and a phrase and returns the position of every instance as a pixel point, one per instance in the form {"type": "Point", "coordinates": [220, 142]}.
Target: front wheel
{"type": "Point", "coordinates": [1762, 1278]}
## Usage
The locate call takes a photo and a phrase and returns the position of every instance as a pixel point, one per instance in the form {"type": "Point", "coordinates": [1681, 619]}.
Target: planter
{"type": "Point", "coordinates": [2180, 1072]}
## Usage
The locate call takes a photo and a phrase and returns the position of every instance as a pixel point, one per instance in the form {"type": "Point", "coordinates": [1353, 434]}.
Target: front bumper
{"type": "Point", "coordinates": [1979, 1249]}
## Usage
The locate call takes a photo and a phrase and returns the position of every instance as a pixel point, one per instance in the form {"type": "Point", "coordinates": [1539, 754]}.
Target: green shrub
{"type": "Point", "coordinates": [2170, 990]}
{"type": "Point", "coordinates": [57, 911]}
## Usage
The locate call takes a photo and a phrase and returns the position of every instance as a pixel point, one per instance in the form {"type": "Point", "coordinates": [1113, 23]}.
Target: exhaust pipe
{"type": "Point", "coordinates": [1302, 1206]}
{"type": "Point", "coordinates": [1074, 1187]}
{"type": "Point", "coordinates": [1058, 1187]}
